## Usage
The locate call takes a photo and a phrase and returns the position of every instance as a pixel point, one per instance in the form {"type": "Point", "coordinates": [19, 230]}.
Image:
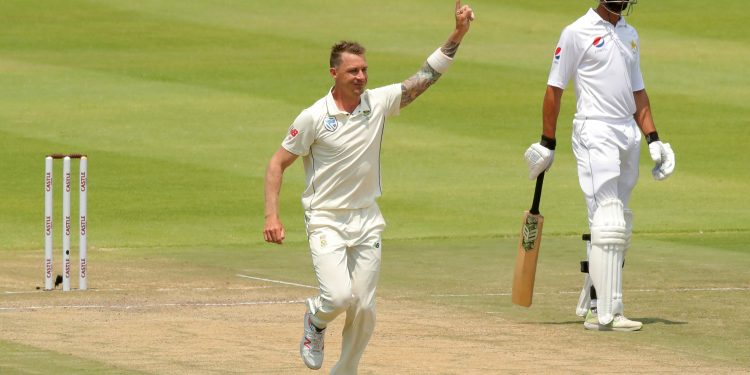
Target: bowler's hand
{"type": "Point", "coordinates": [464, 16]}
{"type": "Point", "coordinates": [663, 157]}
{"type": "Point", "coordinates": [274, 230]}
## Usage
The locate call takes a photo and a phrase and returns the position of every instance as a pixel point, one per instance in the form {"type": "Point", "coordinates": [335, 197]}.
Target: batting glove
{"type": "Point", "coordinates": [539, 156]}
{"type": "Point", "coordinates": [662, 155]}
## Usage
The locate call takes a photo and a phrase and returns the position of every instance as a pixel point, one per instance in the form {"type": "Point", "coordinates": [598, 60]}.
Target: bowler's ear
{"type": "Point", "coordinates": [333, 72]}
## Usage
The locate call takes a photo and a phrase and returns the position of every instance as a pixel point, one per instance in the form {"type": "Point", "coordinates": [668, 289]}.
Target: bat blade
{"type": "Point", "coordinates": [528, 250]}
{"type": "Point", "coordinates": [526, 259]}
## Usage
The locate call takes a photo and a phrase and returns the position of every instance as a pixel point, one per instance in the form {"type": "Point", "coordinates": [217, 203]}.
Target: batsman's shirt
{"type": "Point", "coordinates": [604, 61]}
{"type": "Point", "coordinates": [341, 151]}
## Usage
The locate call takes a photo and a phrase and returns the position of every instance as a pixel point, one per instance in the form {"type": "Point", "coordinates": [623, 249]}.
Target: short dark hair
{"type": "Point", "coordinates": [344, 46]}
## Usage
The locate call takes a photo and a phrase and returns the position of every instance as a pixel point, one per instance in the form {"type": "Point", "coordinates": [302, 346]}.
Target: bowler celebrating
{"type": "Point", "coordinates": [339, 139]}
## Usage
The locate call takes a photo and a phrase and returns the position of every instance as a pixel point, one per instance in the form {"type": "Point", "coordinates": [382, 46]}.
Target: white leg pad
{"type": "Point", "coordinates": [628, 214]}
{"type": "Point", "coordinates": [584, 300]}
{"type": "Point", "coordinates": [608, 240]}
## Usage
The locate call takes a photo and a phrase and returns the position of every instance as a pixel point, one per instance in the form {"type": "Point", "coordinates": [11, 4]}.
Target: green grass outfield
{"type": "Point", "coordinates": [180, 104]}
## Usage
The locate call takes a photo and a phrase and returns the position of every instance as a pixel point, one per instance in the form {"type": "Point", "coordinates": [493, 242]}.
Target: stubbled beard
{"type": "Point", "coordinates": [616, 7]}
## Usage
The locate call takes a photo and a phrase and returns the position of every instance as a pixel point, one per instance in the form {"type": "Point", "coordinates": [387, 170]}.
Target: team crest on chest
{"type": "Point", "coordinates": [330, 123]}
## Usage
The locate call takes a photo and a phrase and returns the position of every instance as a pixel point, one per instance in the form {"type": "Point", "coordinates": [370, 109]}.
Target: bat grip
{"type": "Point", "coordinates": [537, 195]}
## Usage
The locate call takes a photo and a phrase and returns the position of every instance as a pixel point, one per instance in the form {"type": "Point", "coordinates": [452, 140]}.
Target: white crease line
{"type": "Point", "coordinates": [473, 295]}
{"type": "Point", "coordinates": [676, 290]}
{"type": "Point", "coordinates": [696, 290]}
{"type": "Point", "coordinates": [25, 292]}
{"type": "Point", "coordinates": [213, 289]}
{"type": "Point", "coordinates": [131, 289]}
{"type": "Point", "coordinates": [150, 305]}
{"type": "Point", "coordinates": [72, 290]}
{"type": "Point", "coordinates": [277, 281]}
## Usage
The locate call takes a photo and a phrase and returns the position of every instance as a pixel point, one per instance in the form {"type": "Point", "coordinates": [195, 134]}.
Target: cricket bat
{"type": "Point", "coordinates": [528, 250]}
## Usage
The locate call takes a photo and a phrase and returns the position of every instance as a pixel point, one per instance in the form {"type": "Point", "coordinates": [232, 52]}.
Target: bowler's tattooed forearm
{"type": "Point", "coordinates": [415, 85]}
{"type": "Point", "coordinates": [450, 48]}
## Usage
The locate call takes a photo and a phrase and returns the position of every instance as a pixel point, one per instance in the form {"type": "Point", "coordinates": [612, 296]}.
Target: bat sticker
{"type": "Point", "coordinates": [530, 232]}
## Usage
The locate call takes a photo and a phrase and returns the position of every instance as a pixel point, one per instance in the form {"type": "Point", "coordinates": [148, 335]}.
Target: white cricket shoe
{"type": "Point", "coordinates": [311, 345]}
{"type": "Point", "coordinates": [620, 323]}
{"type": "Point", "coordinates": [623, 324]}
{"type": "Point", "coordinates": [591, 322]}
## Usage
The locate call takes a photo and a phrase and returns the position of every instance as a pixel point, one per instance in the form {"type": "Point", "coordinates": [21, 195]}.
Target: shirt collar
{"type": "Point", "coordinates": [333, 109]}
{"type": "Point", "coordinates": [595, 18]}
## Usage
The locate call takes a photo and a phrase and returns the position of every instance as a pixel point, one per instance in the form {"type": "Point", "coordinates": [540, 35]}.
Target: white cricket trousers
{"type": "Point", "coordinates": [346, 249]}
{"type": "Point", "coordinates": [607, 154]}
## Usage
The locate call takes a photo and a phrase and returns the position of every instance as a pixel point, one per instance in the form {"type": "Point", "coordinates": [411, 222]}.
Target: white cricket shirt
{"type": "Point", "coordinates": [341, 151]}
{"type": "Point", "coordinates": [604, 61]}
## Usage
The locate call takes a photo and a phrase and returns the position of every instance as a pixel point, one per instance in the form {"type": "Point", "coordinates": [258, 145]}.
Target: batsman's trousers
{"type": "Point", "coordinates": [346, 250]}
{"type": "Point", "coordinates": [607, 154]}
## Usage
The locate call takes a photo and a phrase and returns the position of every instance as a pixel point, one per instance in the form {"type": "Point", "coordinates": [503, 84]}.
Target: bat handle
{"type": "Point", "coordinates": [537, 195]}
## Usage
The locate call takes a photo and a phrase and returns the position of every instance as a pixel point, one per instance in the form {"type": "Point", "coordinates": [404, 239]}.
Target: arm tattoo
{"type": "Point", "coordinates": [450, 48]}
{"type": "Point", "coordinates": [415, 85]}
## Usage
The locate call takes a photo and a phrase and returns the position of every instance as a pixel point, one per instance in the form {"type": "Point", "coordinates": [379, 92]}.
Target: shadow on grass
{"type": "Point", "coordinates": [558, 323]}
{"type": "Point", "coordinates": [658, 320]}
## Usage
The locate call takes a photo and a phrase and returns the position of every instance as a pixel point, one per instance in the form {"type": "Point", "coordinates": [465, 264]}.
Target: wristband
{"type": "Point", "coordinates": [439, 61]}
{"type": "Point", "coordinates": [548, 142]}
{"type": "Point", "coordinates": [652, 137]}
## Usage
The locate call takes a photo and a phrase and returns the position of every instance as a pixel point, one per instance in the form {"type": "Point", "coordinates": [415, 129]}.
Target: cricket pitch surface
{"type": "Point", "coordinates": [238, 325]}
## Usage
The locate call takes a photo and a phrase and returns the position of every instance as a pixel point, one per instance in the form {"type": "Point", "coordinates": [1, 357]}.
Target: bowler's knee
{"type": "Point", "coordinates": [341, 300]}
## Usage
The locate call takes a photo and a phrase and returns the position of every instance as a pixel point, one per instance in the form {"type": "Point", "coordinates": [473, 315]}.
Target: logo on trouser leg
{"type": "Point", "coordinates": [377, 245]}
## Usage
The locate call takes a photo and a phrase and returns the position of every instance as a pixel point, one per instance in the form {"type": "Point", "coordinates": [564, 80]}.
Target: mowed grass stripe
{"type": "Point", "coordinates": [175, 121]}
{"type": "Point", "coordinates": [203, 93]}
{"type": "Point", "coordinates": [430, 113]}
{"type": "Point", "coordinates": [25, 359]}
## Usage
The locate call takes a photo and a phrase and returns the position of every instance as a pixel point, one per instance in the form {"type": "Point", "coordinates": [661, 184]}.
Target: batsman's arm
{"type": "Point", "coordinates": [440, 60]}
{"type": "Point", "coordinates": [539, 156]}
{"type": "Point", "coordinates": [274, 229]}
{"type": "Point", "coordinates": [551, 111]}
{"type": "Point", "coordinates": [661, 152]}
{"type": "Point", "coordinates": [642, 115]}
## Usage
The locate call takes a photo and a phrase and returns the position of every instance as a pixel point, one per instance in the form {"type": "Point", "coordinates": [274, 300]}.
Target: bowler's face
{"type": "Point", "coordinates": [351, 75]}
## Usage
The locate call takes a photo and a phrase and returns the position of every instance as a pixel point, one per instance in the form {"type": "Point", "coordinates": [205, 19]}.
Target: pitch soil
{"type": "Point", "coordinates": [240, 326]}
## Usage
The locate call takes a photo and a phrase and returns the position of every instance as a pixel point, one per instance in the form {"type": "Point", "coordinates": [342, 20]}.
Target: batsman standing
{"type": "Point", "coordinates": [600, 52]}
{"type": "Point", "coordinates": [339, 139]}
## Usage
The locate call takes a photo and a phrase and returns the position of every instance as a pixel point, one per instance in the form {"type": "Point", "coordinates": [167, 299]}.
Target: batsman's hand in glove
{"type": "Point", "coordinates": [539, 156]}
{"type": "Point", "coordinates": [663, 157]}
